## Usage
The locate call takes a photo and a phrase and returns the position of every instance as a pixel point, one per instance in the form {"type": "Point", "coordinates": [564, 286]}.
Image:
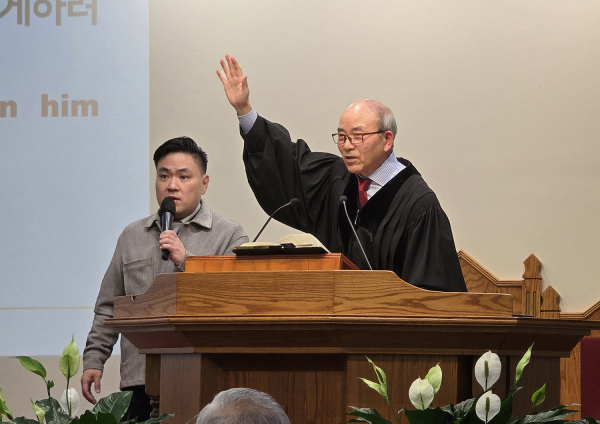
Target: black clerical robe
{"type": "Point", "coordinates": [402, 227]}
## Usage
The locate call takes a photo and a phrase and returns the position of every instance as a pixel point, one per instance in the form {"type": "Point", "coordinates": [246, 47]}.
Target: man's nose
{"type": "Point", "coordinates": [173, 185]}
{"type": "Point", "coordinates": [348, 145]}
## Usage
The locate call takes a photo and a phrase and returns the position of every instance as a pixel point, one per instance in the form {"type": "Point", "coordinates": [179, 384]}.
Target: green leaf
{"type": "Point", "coordinates": [466, 405]}
{"type": "Point", "coordinates": [428, 416]}
{"type": "Point", "coordinates": [522, 364]}
{"type": "Point", "coordinates": [380, 375]}
{"type": "Point", "coordinates": [106, 418]}
{"type": "Point", "coordinates": [3, 408]}
{"type": "Point", "coordinates": [547, 416]}
{"type": "Point", "coordinates": [54, 412]}
{"type": "Point", "coordinates": [32, 365]}
{"type": "Point", "coordinates": [23, 420]}
{"type": "Point", "coordinates": [115, 404]}
{"type": "Point", "coordinates": [39, 412]}
{"type": "Point", "coordinates": [97, 418]}
{"type": "Point", "coordinates": [434, 376]}
{"type": "Point", "coordinates": [161, 418]}
{"type": "Point", "coordinates": [447, 408]}
{"type": "Point", "coordinates": [69, 360]}
{"type": "Point", "coordinates": [539, 396]}
{"type": "Point", "coordinates": [375, 386]}
{"type": "Point", "coordinates": [369, 414]}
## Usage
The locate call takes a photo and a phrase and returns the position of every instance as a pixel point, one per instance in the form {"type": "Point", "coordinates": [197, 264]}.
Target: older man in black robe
{"type": "Point", "coordinates": [397, 217]}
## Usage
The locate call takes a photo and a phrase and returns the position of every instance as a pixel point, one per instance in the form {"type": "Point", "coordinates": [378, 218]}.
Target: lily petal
{"type": "Point", "coordinates": [73, 398]}
{"type": "Point", "coordinates": [421, 393]}
{"type": "Point", "coordinates": [487, 406]}
{"type": "Point", "coordinates": [487, 370]}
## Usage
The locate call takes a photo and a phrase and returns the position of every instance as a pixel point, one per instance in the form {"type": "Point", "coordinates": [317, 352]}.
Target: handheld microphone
{"type": "Point", "coordinates": [293, 201]}
{"type": "Point", "coordinates": [343, 201]}
{"type": "Point", "coordinates": [166, 213]}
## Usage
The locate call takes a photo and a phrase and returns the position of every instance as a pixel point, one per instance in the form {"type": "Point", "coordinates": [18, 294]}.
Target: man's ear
{"type": "Point", "coordinates": [205, 180]}
{"type": "Point", "coordinates": [388, 136]}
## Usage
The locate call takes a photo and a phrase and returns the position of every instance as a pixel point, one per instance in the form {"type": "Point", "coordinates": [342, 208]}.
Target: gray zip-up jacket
{"type": "Point", "coordinates": [136, 262]}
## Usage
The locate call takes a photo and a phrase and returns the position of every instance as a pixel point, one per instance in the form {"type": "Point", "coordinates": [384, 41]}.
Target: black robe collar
{"type": "Point", "coordinates": [368, 218]}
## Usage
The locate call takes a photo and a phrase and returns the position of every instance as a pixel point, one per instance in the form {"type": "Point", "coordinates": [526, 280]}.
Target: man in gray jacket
{"type": "Point", "coordinates": [180, 175]}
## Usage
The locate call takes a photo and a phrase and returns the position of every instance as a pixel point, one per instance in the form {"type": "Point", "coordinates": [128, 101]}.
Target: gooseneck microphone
{"type": "Point", "coordinates": [293, 201]}
{"type": "Point", "coordinates": [343, 201]}
{"type": "Point", "coordinates": [166, 213]}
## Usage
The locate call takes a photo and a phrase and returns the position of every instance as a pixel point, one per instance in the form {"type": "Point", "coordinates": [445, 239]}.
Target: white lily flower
{"type": "Point", "coordinates": [487, 370]}
{"type": "Point", "coordinates": [421, 393]}
{"type": "Point", "coordinates": [73, 399]}
{"type": "Point", "coordinates": [487, 406]}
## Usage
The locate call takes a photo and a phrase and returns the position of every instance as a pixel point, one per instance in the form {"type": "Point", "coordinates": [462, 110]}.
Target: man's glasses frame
{"type": "Point", "coordinates": [354, 139]}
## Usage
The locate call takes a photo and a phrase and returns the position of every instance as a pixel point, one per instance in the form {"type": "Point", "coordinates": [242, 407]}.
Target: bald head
{"type": "Point", "coordinates": [242, 406]}
{"type": "Point", "coordinates": [384, 117]}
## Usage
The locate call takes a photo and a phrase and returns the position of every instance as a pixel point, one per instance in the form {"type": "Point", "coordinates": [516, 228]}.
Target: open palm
{"type": "Point", "coordinates": [235, 84]}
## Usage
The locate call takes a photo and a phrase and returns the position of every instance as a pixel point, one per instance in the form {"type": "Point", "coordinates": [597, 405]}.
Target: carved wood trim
{"type": "Point", "coordinates": [550, 303]}
{"type": "Point", "coordinates": [531, 299]}
{"type": "Point", "coordinates": [591, 314]}
{"type": "Point", "coordinates": [526, 292]}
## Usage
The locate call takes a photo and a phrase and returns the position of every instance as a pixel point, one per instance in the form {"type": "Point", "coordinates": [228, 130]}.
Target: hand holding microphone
{"type": "Point", "coordinates": [170, 245]}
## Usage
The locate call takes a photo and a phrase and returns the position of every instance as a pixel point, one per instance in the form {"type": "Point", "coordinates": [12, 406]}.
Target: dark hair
{"type": "Point", "coordinates": [182, 145]}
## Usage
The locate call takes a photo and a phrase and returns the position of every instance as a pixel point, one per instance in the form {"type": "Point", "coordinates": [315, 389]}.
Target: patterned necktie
{"type": "Point", "coordinates": [363, 186]}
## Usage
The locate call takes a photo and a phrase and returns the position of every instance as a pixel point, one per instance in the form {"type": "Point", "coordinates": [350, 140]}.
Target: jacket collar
{"type": "Point", "coordinates": [203, 218]}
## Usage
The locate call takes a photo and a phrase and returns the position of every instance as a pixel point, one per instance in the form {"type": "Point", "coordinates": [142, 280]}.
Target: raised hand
{"type": "Point", "coordinates": [235, 84]}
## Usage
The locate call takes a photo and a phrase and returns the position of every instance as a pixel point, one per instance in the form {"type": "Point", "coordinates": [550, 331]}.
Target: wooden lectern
{"type": "Point", "coordinates": [299, 328]}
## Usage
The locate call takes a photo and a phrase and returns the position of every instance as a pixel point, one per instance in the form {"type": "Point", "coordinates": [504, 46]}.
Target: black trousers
{"type": "Point", "coordinates": [139, 407]}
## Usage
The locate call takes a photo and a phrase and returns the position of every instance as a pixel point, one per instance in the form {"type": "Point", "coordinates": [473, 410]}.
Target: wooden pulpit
{"type": "Point", "coordinates": [300, 328]}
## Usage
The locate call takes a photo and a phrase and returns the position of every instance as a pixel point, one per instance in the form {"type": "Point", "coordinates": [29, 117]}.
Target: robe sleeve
{"type": "Point", "coordinates": [429, 258]}
{"type": "Point", "coordinates": [279, 170]}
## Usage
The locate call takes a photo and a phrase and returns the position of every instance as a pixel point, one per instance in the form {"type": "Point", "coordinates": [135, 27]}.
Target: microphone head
{"type": "Point", "coordinates": [167, 205]}
{"type": "Point", "coordinates": [294, 201]}
{"type": "Point", "coordinates": [343, 199]}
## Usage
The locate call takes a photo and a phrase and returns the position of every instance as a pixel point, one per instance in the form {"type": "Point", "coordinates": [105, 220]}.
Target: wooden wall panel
{"type": "Point", "coordinates": [570, 380]}
{"type": "Point", "coordinates": [307, 395]}
{"type": "Point", "coordinates": [570, 368]}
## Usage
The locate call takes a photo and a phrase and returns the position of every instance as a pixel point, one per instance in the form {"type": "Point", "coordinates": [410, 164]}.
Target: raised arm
{"type": "Point", "coordinates": [235, 84]}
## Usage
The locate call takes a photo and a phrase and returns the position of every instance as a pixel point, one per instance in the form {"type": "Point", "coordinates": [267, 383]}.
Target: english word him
{"type": "Point", "coordinates": [8, 108]}
{"type": "Point", "coordinates": [51, 107]}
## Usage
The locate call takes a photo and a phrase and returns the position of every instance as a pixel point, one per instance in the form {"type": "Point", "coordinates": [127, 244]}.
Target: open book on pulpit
{"type": "Point", "coordinates": [292, 244]}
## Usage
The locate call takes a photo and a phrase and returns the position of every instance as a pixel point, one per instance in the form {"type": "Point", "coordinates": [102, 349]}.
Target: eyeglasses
{"type": "Point", "coordinates": [354, 139]}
